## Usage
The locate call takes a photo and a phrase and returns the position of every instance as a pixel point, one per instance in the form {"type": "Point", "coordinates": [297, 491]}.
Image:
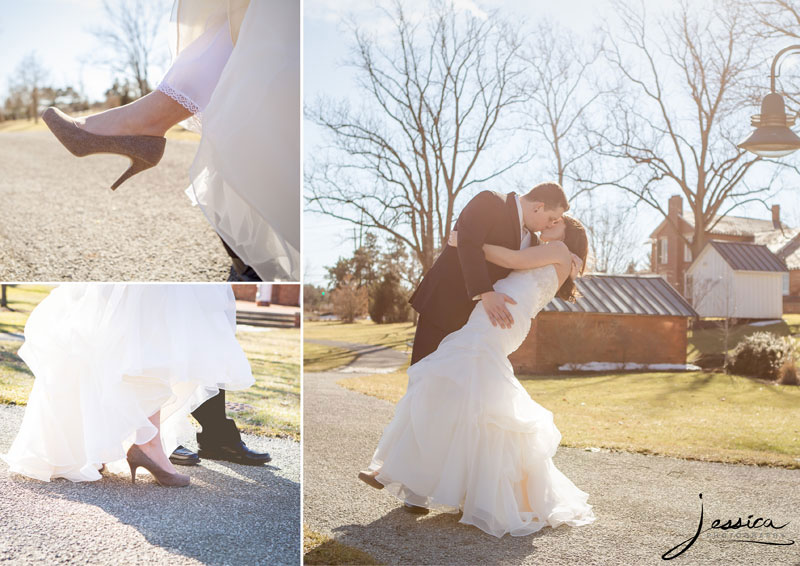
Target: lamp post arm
{"type": "Point", "coordinates": [775, 64]}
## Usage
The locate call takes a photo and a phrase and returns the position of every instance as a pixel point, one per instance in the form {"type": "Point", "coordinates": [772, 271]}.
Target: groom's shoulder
{"type": "Point", "coordinates": [490, 197]}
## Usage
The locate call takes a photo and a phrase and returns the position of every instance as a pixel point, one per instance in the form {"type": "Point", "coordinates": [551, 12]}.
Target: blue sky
{"type": "Point", "coordinates": [58, 31]}
{"type": "Point", "coordinates": [326, 42]}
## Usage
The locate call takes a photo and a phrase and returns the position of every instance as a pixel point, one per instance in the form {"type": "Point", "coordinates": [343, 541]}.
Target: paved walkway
{"type": "Point", "coordinates": [60, 221]}
{"type": "Point", "coordinates": [645, 504]}
{"type": "Point", "coordinates": [231, 514]}
{"type": "Point", "coordinates": [369, 358]}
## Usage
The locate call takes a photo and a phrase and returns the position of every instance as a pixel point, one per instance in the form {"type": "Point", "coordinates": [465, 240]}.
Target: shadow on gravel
{"type": "Point", "coordinates": [237, 515]}
{"type": "Point", "coordinates": [429, 538]}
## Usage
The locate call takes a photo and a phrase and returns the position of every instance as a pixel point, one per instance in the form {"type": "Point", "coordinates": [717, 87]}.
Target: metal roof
{"type": "Point", "coordinates": [726, 226]}
{"type": "Point", "coordinates": [647, 295]}
{"type": "Point", "coordinates": [783, 243]}
{"type": "Point", "coordinates": [742, 256]}
{"type": "Point", "coordinates": [734, 225]}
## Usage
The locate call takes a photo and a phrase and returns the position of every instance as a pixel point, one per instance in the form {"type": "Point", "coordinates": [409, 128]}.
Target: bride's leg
{"type": "Point", "coordinates": [185, 90]}
{"type": "Point", "coordinates": [151, 115]}
{"type": "Point", "coordinates": [153, 447]}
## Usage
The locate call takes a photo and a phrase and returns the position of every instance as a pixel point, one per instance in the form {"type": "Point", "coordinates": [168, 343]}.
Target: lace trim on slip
{"type": "Point", "coordinates": [179, 97]}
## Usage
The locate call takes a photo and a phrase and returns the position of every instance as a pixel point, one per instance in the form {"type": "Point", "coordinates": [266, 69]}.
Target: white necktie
{"type": "Point", "coordinates": [526, 240]}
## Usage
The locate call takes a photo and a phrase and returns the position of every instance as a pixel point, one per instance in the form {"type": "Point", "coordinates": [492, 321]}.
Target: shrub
{"type": "Point", "coordinates": [349, 301]}
{"type": "Point", "coordinates": [388, 301]}
{"type": "Point", "coordinates": [759, 355]}
{"type": "Point", "coordinates": [787, 374]}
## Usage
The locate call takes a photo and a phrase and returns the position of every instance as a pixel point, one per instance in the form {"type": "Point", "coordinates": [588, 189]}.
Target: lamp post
{"type": "Point", "coordinates": [772, 136]}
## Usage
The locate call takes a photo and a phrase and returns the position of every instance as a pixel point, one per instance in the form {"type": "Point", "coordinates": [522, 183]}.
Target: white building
{"type": "Point", "coordinates": [736, 280]}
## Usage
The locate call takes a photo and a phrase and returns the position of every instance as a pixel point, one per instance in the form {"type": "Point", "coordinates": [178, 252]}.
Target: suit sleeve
{"type": "Point", "coordinates": [474, 223]}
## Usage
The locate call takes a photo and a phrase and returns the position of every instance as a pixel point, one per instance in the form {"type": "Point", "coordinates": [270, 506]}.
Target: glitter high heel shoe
{"type": "Point", "coordinates": [138, 459]}
{"type": "Point", "coordinates": [143, 151]}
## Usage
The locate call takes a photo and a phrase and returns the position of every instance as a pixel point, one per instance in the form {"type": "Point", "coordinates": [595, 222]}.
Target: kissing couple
{"type": "Point", "coordinates": [467, 436]}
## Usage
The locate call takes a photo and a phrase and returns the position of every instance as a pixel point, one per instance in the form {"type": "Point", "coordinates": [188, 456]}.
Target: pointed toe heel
{"type": "Point", "coordinates": [369, 479]}
{"type": "Point", "coordinates": [137, 458]}
{"type": "Point", "coordinates": [143, 151]}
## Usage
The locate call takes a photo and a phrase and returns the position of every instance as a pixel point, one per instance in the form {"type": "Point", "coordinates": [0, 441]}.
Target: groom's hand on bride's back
{"type": "Point", "coordinates": [494, 304]}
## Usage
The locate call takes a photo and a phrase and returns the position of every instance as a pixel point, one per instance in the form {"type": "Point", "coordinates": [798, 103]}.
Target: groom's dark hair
{"type": "Point", "coordinates": [550, 193]}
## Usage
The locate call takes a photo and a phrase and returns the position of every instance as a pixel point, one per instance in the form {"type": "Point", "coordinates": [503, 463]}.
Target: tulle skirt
{"type": "Point", "coordinates": [246, 174]}
{"type": "Point", "coordinates": [467, 436]}
{"type": "Point", "coordinates": [107, 357]}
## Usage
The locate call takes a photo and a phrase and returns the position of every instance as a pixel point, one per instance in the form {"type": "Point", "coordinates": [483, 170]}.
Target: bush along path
{"type": "Point", "coordinates": [645, 505]}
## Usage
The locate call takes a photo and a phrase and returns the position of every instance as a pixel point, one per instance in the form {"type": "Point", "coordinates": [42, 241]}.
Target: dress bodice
{"type": "Point", "coordinates": [532, 289]}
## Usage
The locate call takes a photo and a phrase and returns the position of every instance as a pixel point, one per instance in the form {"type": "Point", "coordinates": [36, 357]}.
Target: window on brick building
{"type": "Point", "coordinates": [663, 249]}
{"type": "Point", "coordinates": [687, 252]}
{"type": "Point", "coordinates": [785, 283]}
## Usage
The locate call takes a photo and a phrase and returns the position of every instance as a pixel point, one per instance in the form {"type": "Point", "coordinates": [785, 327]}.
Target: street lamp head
{"type": "Point", "coordinates": [772, 136]}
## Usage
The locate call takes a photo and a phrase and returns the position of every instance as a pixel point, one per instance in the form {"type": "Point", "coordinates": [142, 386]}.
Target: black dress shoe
{"type": "Point", "coordinates": [184, 457]}
{"type": "Point", "coordinates": [415, 509]}
{"type": "Point", "coordinates": [237, 453]}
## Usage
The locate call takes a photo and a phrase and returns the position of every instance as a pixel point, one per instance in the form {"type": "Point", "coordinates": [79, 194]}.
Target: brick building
{"type": "Point", "coordinates": [670, 256]}
{"type": "Point", "coordinates": [786, 245]}
{"type": "Point", "coordinates": [279, 293]}
{"type": "Point", "coordinates": [618, 319]}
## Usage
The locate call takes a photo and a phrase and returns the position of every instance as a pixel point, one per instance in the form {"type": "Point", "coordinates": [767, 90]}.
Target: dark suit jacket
{"type": "Point", "coordinates": [444, 296]}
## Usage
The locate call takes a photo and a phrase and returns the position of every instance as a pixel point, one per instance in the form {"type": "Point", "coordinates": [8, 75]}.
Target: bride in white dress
{"type": "Point", "coordinates": [118, 368]}
{"type": "Point", "coordinates": [467, 436]}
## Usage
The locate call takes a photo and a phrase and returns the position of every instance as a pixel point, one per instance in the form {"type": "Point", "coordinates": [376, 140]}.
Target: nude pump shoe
{"type": "Point", "coordinates": [144, 151]}
{"type": "Point", "coordinates": [138, 459]}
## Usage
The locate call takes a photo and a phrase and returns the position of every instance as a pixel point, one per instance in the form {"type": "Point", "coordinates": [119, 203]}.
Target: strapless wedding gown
{"type": "Point", "coordinates": [106, 357]}
{"type": "Point", "coordinates": [467, 436]}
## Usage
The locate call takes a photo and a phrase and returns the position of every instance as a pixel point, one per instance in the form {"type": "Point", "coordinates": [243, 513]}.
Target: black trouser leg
{"type": "Point", "coordinates": [426, 339]}
{"type": "Point", "coordinates": [217, 428]}
{"type": "Point", "coordinates": [240, 271]}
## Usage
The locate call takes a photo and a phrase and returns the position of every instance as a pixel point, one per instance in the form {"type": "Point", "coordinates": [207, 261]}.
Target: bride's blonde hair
{"type": "Point", "coordinates": [578, 243]}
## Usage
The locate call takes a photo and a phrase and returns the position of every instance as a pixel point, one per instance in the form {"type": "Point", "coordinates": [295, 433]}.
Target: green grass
{"type": "Point", "coordinates": [321, 550]}
{"type": "Point", "coordinates": [396, 335]}
{"type": "Point", "coordinates": [706, 341]}
{"type": "Point", "coordinates": [16, 380]}
{"type": "Point", "coordinates": [21, 301]}
{"type": "Point", "coordinates": [274, 358]}
{"type": "Point", "coordinates": [275, 397]}
{"type": "Point", "coordinates": [317, 357]}
{"type": "Point", "coordinates": [694, 415]}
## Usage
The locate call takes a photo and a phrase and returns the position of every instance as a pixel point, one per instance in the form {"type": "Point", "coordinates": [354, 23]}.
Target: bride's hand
{"type": "Point", "coordinates": [577, 264]}
{"type": "Point", "coordinates": [452, 240]}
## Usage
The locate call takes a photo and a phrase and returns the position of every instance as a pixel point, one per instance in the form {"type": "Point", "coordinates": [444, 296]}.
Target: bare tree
{"type": "Point", "coordinates": [131, 38]}
{"type": "Point", "coordinates": [434, 98]}
{"type": "Point", "coordinates": [609, 227]}
{"type": "Point", "coordinates": [30, 78]}
{"type": "Point", "coordinates": [686, 75]}
{"type": "Point", "coordinates": [777, 21]}
{"type": "Point", "coordinates": [777, 18]}
{"type": "Point", "coordinates": [563, 94]}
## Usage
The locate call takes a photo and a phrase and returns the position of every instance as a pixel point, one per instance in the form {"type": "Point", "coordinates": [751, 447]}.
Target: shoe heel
{"type": "Point", "coordinates": [137, 166]}
{"type": "Point", "coordinates": [133, 468]}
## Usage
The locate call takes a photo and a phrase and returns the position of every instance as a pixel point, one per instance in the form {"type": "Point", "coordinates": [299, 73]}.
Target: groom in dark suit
{"type": "Point", "coordinates": [461, 276]}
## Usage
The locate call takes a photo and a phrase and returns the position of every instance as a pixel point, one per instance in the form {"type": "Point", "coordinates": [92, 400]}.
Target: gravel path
{"type": "Point", "coordinates": [645, 504]}
{"type": "Point", "coordinates": [231, 514]}
{"type": "Point", "coordinates": [369, 358]}
{"type": "Point", "coordinates": [61, 222]}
